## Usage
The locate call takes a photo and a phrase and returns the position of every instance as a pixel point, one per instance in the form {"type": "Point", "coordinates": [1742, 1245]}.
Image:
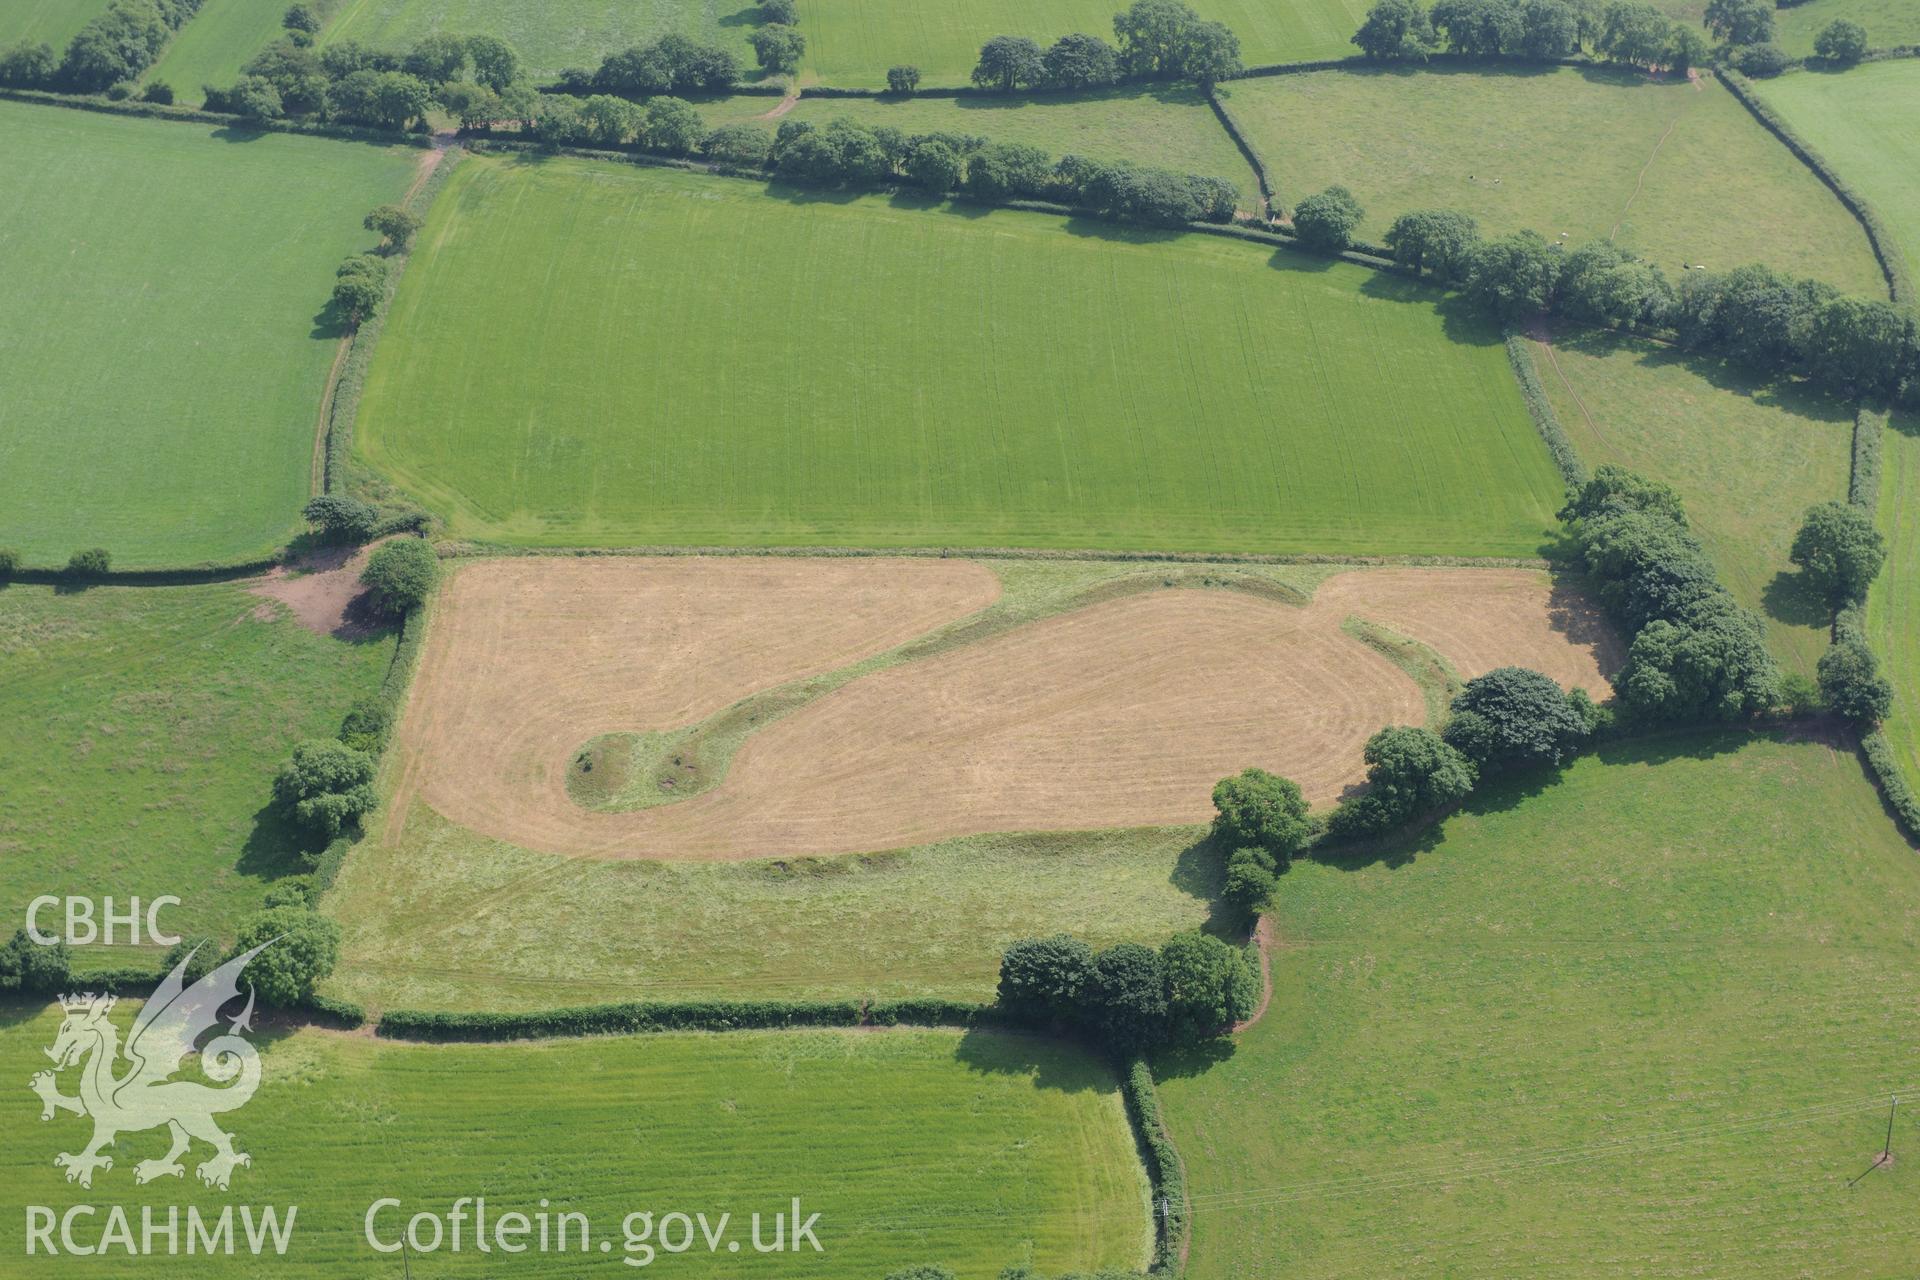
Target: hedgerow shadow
{"type": "Point", "coordinates": [1183, 1062]}
{"type": "Point", "coordinates": [1054, 1062]}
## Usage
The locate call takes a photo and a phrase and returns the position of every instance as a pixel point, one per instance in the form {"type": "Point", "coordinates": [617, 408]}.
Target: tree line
{"type": "Point", "coordinates": [1770, 324]}
{"type": "Point", "coordinates": [845, 153]}
{"type": "Point", "coordinates": [1630, 32]}
{"type": "Point", "coordinates": [1156, 40]}
{"type": "Point", "coordinates": [108, 53]}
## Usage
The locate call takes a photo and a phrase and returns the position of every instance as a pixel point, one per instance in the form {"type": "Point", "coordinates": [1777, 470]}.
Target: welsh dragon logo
{"type": "Point", "coordinates": [145, 1096]}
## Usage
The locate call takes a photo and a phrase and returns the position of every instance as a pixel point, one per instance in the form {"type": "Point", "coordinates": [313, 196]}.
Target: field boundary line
{"type": "Point", "coordinates": [1573, 468]}
{"type": "Point", "coordinates": [1247, 152]}
{"type": "Point", "coordinates": [1876, 751]}
{"type": "Point", "coordinates": [465, 549]}
{"type": "Point", "coordinates": [343, 405]}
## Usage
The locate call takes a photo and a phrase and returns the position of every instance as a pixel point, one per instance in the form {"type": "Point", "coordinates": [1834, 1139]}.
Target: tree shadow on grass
{"type": "Point", "coordinates": [1055, 1062]}
{"type": "Point", "coordinates": [1200, 872]}
{"type": "Point", "coordinates": [1791, 599]}
{"type": "Point", "coordinates": [747, 17]}
{"type": "Point", "coordinates": [1183, 1062]}
{"type": "Point", "coordinates": [1574, 615]}
{"type": "Point", "coordinates": [799, 195]}
{"type": "Point", "coordinates": [329, 323]}
{"type": "Point", "coordinates": [18, 1009]}
{"type": "Point", "coordinates": [1300, 262]}
{"type": "Point", "coordinates": [275, 846]}
{"type": "Point", "coordinates": [1118, 232]}
{"type": "Point", "coordinates": [1786, 394]}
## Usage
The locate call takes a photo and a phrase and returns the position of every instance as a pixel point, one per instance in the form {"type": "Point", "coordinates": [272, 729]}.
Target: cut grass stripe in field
{"type": "Point", "coordinates": [1866, 123]}
{"type": "Point", "coordinates": [163, 342]}
{"type": "Point", "coordinates": [589, 353]}
{"type": "Point", "coordinates": [979, 1151]}
{"type": "Point", "coordinates": [1893, 608]}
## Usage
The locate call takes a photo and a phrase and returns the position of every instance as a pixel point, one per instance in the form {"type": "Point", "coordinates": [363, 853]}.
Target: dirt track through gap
{"type": "Point", "coordinates": [1122, 713]}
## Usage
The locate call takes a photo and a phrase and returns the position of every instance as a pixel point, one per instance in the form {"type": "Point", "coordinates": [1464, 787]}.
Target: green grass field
{"type": "Point", "coordinates": [162, 343]}
{"type": "Point", "coordinates": [975, 1150]}
{"type": "Point", "coordinates": [140, 728]}
{"type": "Point", "coordinates": [1888, 22]}
{"type": "Point", "coordinates": [1748, 460]}
{"type": "Point", "coordinates": [1643, 1019]}
{"type": "Point", "coordinates": [1893, 608]}
{"type": "Point", "coordinates": [1168, 126]}
{"type": "Point", "coordinates": [1866, 123]}
{"type": "Point", "coordinates": [552, 36]}
{"type": "Point", "coordinates": [52, 22]}
{"type": "Point", "coordinates": [210, 50]}
{"type": "Point", "coordinates": [585, 353]}
{"type": "Point", "coordinates": [853, 42]}
{"type": "Point", "coordinates": [444, 918]}
{"type": "Point", "coordinates": [1676, 173]}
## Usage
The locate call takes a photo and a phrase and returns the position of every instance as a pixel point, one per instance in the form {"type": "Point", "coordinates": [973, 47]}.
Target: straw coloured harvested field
{"type": "Point", "coordinates": [1121, 708]}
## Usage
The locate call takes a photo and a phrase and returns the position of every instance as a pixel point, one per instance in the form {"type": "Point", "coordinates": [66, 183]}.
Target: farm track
{"type": "Point", "coordinates": [1120, 713]}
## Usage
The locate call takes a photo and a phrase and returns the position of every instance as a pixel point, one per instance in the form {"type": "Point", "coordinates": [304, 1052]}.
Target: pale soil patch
{"type": "Point", "coordinates": [323, 592]}
{"type": "Point", "coordinates": [1119, 714]}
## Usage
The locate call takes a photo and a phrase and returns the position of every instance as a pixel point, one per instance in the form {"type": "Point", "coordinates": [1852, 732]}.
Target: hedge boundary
{"type": "Point", "coordinates": [490, 550]}
{"type": "Point", "coordinates": [1166, 1172]}
{"type": "Point", "coordinates": [1879, 238]}
{"type": "Point", "coordinates": [639, 1017]}
{"type": "Point", "coordinates": [1863, 481]}
{"type": "Point", "coordinates": [1572, 469]}
{"type": "Point", "coordinates": [200, 115]}
{"type": "Point", "coordinates": [1850, 624]}
{"type": "Point", "coordinates": [184, 576]}
{"type": "Point", "coordinates": [1247, 152]}
{"type": "Point", "coordinates": [344, 407]}
{"type": "Point", "coordinates": [391, 696]}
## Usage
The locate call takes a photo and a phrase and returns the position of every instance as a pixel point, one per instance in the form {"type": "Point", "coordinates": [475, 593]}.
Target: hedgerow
{"type": "Point", "coordinates": [1165, 1173]}
{"type": "Point", "coordinates": [627, 1018]}
{"type": "Point", "coordinates": [1572, 468]}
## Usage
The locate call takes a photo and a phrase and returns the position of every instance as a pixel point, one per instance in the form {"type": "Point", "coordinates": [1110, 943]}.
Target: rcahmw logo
{"type": "Point", "coordinates": [144, 1095]}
